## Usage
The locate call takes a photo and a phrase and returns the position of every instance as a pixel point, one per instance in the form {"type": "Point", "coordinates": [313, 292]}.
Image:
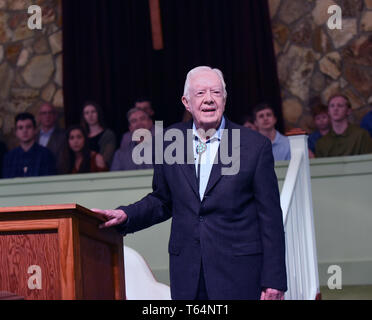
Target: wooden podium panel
{"type": "Point", "coordinates": [19, 251]}
{"type": "Point", "coordinates": [61, 246]}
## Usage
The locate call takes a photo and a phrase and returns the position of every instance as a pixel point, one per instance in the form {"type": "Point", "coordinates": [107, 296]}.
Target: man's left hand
{"type": "Point", "coordinates": [272, 294]}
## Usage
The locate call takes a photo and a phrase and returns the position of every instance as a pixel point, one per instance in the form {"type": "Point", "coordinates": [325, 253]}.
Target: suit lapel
{"type": "Point", "coordinates": [216, 175]}
{"type": "Point", "coordinates": [188, 168]}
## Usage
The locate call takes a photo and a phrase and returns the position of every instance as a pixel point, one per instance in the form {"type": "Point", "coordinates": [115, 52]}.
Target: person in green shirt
{"type": "Point", "coordinates": [344, 138]}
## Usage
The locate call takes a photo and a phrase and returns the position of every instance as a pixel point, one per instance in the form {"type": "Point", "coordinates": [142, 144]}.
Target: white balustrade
{"type": "Point", "coordinates": [296, 203]}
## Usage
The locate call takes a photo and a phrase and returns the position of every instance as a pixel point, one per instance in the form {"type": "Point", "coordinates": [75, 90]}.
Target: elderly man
{"type": "Point", "coordinates": [123, 160]}
{"type": "Point", "coordinates": [50, 135]}
{"type": "Point", "coordinates": [29, 159]}
{"type": "Point", "coordinates": [145, 105]}
{"type": "Point", "coordinates": [344, 138]}
{"type": "Point", "coordinates": [227, 235]}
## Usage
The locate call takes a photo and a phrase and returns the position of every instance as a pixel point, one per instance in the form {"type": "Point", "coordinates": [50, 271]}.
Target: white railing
{"type": "Point", "coordinates": [296, 203]}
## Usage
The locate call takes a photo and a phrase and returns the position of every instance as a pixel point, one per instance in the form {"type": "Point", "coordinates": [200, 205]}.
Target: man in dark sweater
{"type": "Point", "coordinates": [29, 159]}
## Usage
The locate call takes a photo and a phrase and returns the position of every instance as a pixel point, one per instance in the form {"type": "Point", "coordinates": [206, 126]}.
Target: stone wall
{"type": "Point", "coordinates": [30, 61]}
{"type": "Point", "coordinates": [314, 62]}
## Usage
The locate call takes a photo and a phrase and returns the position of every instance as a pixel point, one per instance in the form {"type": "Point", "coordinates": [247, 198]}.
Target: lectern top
{"type": "Point", "coordinates": [55, 208]}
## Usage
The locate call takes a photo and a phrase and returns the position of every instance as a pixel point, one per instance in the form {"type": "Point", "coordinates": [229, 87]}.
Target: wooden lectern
{"type": "Point", "coordinates": [58, 252]}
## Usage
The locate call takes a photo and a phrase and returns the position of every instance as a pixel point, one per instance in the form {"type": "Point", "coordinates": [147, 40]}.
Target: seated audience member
{"type": "Point", "coordinates": [248, 122]}
{"type": "Point", "coordinates": [3, 151]}
{"type": "Point", "coordinates": [50, 135]}
{"type": "Point", "coordinates": [265, 120]}
{"type": "Point", "coordinates": [77, 157]}
{"type": "Point", "coordinates": [145, 105]}
{"type": "Point", "coordinates": [322, 124]}
{"type": "Point", "coordinates": [344, 138]}
{"type": "Point", "coordinates": [29, 159]}
{"type": "Point", "coordinates": [366, 122]}
{"type": "Point", "coordinates": [100, 139]}
{"type": "Point", "coordinates": [137, 119]}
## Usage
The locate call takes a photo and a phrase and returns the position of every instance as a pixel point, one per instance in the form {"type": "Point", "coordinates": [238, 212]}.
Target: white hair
{"type": "Point", "coordinates": [194, 71]}
{"type": "Point", "coordinates": [133, 110]}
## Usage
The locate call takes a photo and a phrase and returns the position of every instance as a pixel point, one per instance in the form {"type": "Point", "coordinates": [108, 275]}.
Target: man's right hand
{"type": "Point", "coordinates": [113, 217]}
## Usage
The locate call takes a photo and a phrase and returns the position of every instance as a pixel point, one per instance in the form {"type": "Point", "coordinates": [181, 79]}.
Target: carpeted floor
{"type": "Point", "coordinates": [347, 293]}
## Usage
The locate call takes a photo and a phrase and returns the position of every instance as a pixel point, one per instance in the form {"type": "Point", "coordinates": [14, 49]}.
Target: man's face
{"type": "Point", "coordinates": [265, 120]}
{"type": "Point", "coordinates": [47, 116]}
{"type": "Point", "coordinates": [338, 109]}
{"type": "Point", "coordinates": [76, 140]}
{"type": "Point", "coordinates": [25, 131]}
{"type": "Point", "coordinates": [145, 106]}
{"type": "Point", "coordinates": [206, 100]}
{"type": "Point", "coordinates": [321, 121]}
{"type": "Point", "coordinates": [139, 120]}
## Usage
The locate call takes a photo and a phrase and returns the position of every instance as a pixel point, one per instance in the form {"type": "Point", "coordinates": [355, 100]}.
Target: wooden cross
{"type": "Point", "coordinates": [157, 34]}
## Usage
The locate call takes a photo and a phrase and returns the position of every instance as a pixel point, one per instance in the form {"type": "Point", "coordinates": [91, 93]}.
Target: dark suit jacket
{"type": "Point", "coordinates": [56, 141]}
{"type": "Point", "coordinates": [236, 230]}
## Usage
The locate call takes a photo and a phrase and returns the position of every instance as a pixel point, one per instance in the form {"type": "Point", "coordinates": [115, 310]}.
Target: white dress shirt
{"type": "Point", "coordinates": [206, 158]}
